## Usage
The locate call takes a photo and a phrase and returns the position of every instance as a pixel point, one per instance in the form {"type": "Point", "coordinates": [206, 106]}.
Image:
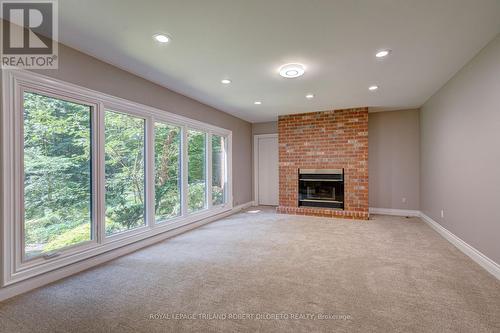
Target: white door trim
{"type": "Point", "coordinates": [256, 138]}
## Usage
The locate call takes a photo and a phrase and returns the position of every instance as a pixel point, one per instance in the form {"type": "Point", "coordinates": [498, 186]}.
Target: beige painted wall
{"type": "Point", "coordinates": [269, 127]}
{"type": "Point", "coordinates": [393, 159]}
{"type": "Point", "coordinates": [460, 153]}
{"type": "Point", "coordinates": [89, 72]}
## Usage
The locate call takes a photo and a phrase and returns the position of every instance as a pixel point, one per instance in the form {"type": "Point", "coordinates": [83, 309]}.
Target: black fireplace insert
{"type": "Point", "coordinates": [321, 188]}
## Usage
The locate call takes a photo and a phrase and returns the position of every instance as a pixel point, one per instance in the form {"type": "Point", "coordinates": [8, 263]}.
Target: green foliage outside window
{"type": "Point", "coordinates": [57, 183]}
{"type": "Point", "coordinates": [124, 147]}
{"type": "Point", "coordinates": [196, 170]}
{"type": "Point", "coordinates": [218, 169]}
{"type": "Point", "coordinates": [167, 171]}
{"type": "Point", "coordinates": [57, 169]}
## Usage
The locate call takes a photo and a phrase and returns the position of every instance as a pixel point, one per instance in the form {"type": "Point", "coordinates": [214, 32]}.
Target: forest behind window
{"type": "Point", "coordinates": [57, 179]}
{"type": "Point", "coordinates": [197, 170]}
{"type": "Point", "coordinates": [218, 169]}
{"type": "Point", "coordinates": [167, 172]}
{"type": "Point", "coordinates": [58, 173]}
{"type": "Point", "coordinates": [124, 147]}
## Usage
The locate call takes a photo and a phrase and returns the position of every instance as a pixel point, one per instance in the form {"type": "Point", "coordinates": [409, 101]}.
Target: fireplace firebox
{"type": "Point", "coordinates": [321, 188]}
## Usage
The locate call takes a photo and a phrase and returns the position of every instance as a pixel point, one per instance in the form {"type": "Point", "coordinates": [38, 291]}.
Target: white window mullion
{"type": "Point", "coordinates": [18, 178]}
{"type": "Point", "coordinates": [184, 171]}
{"type": "Point", "coordinates": [209, 170]}
{"type": "Point", "coordinates": [229, 170]}
{"type": "Point", "coordinates": [100, 175]}
{"type": "Point", "coordinates": [224, 171]}
{"type": "Point", "coordinates": [149, 185]}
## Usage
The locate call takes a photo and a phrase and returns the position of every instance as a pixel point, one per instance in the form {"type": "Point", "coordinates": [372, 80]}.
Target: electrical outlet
{"type": "Point", "coordinates": [403, 200]}
{"type": "Point", "coordinates": [442, 213]}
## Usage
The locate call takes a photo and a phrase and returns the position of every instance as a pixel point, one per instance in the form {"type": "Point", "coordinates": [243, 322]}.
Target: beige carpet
{"type": "Point", "coordinates": [274, 273]}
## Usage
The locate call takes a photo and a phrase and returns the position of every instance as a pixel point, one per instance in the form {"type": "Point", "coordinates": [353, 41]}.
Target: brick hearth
{"type": "Point", "coordinates": [325, 140]}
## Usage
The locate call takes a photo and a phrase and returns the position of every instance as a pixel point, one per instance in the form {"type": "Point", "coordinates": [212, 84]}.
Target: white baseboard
{"type": "Point", "coordinates": [395, 212]}
{"type": "Point", "coordinates": [41, 280]}
{"type": "Point", "coordinates": [470, 251]}
{"type": "Point", "coordinates": [482, 260]}
{"type": "Point", "coordinates": [243, 206]}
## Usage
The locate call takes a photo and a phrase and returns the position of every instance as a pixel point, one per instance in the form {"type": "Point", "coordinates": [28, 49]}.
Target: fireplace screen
{"type": "Point", "coordinates": [321, 188]}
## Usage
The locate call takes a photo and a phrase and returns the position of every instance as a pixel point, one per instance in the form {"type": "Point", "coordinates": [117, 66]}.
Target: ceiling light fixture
{"type": "Point", "coordinates": [383, 53]}
{"type": "Point", "coordinates": [291, 71]}
{"type": "Point", "coordinates": [225, 81]}
{"type": "Point", "coordinates": [257, 102]}
{"type": "Point", "coordinates": [162, 38]}
{"type": "Point", "coordinates": [373, 88]}
{"type": "Point", "coordinates": [310, 96]}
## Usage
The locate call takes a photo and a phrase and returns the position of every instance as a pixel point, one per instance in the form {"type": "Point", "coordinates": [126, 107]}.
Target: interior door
{"type": "Point", "coordinates": [268, 171]}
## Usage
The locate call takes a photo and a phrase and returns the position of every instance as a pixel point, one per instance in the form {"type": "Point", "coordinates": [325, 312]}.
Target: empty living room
{"type": "Point", "coordinates": [250, 166]}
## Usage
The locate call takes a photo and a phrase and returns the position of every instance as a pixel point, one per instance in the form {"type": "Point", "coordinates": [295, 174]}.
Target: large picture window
{"type": "Point", "coordinates": [125, 195]}
{"type": "Point", "coordinates": [57, 174]}
{"type": "Point", "coordinates": [167, 171]}
{"type": "Point", "coordinates": [86, 173]}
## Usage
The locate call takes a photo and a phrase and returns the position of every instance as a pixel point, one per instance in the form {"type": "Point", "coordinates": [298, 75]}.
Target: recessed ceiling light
{"type": "Point", "coordinates": [257, 102]}
{"type": "Point", "coordinates": [291, 71]}
{"type": "Point", "coordinates": [225, 81]}
{"type": "Point", "coordinates": [310, 96]}
{"type": "Point", "coordinates": [162, 38]}
{"type": "Point", "coordinates": [373, 88]}
{"type": "Point", "coordinates": [382, 53]}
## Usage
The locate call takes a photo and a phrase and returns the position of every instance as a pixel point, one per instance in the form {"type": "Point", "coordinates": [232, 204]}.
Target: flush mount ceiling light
{"type": "Point", "coordinates": [225, 81]}
{"type": "Point", "coordinates": [291, 71]}
{"type": "Point", "coordinates": [310, 96]}
{"type": "Point", "coordinates": [162, 38]}
{"type": "Point", "coordinates": [382, 53]}
{"type": "Point", "coordinates": [373, 88]}
{"type": "Point", "coordinates": [257, 102]}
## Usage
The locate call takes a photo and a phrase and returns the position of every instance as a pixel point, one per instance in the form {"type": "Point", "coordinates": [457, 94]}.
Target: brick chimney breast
{"type": "Point", "coordinates": [335, 139]}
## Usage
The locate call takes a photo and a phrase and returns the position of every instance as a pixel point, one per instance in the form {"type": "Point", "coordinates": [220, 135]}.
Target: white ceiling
{"type": "Point", "coordinates": [247, 40]}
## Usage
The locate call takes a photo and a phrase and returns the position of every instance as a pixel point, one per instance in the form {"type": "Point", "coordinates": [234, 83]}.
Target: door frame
{"type": "Point", "coordinates": [256, 139]}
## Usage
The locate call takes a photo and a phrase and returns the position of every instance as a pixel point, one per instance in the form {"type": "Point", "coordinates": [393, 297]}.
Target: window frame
{"type": "Point", "coordinates": [224, 149]}
{"type": "Point", "coordinates": [146, 226]}
{"type": "Point", "coordinates": [21, 260]}
{"type": "Point", "coordinates": [14, 83]}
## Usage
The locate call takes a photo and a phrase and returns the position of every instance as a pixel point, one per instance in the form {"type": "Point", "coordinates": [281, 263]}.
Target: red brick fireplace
{"type": "Point", "coordinates": [325, 140]}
